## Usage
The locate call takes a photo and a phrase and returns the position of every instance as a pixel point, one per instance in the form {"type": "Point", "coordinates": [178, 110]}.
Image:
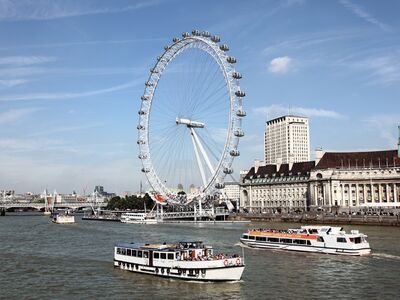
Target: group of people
{"type": "Point", "coordinates": [220, 256]}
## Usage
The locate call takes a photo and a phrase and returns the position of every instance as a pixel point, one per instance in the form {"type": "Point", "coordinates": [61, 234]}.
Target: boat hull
{"type": "Point", "coordinates": [150, 221]}
{"type": "Point", "coordinates": [229, 273]}
{"type": "Point", "coordinates": [64, 220]}
{"type": "Point", "coordinates": [306, 248]}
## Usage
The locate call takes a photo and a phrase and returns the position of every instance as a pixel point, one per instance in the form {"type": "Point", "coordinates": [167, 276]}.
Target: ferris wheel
{"type": "Point", "coordinates": [190, 119]}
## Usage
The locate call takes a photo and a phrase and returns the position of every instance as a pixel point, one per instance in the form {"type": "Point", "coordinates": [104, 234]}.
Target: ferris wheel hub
{"type": "Point", "coordinates": [189, 123]}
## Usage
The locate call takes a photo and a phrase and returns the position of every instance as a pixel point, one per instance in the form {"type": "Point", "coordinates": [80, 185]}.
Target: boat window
{"type": "Point", "coordinates": [139, 253]}
{"type": "Point", "coordinates": [156, 255]}
{"type": "Point", "coordinates": [320, 239]}
{"type": "Point", "coordinates": [118, 250]}
{"type": "Point", "coordinates": [252, 237]}
{"type": "Point", "coordinates": [286, 241]}
{"type": "Point", "coordinates": [145, 254]}
{"type": "Point", "coordinates": [261, 238]}
{"type": "Point", "coordinates": [123, 251]}
{"type": "Point", "coordinates": [308, 243]}
{"type": "Point", "coordinates": [245, 236]}
{"type": "Point", "coordinates": [163, 255]}
{"type": "Point", "coordinates": [356, 240]}
{"type": "Point", "coordinates": [170, 256]}
{"type": "Point", "coordinates": [300, 242]}
{"type": "Point", "coordinates": [312, 230]}
{"type": "Point", "coordinates": [133, 252]}
{"type": "Point", "coordinates": [128, 252]}
{"type": "Point", "coordinates": [341, 240]}
{"type": "Point", "coordinates": [274, 240]}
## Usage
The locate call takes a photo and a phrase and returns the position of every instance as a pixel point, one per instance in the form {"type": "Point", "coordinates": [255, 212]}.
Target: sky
{"type": "Point", "coordinates": [72, 73]}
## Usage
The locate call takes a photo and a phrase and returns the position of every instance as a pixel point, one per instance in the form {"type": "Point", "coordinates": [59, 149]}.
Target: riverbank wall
{"type": "Point", "coordinates": [378, 220]}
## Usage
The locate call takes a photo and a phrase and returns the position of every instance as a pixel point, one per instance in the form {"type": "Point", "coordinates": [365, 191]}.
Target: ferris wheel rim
{"type": "Point", "coordinates": [213, 49]}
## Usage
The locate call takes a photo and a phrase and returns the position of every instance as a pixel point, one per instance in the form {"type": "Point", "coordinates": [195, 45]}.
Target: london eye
{"type": "Point", "coordinates": [190, 119]}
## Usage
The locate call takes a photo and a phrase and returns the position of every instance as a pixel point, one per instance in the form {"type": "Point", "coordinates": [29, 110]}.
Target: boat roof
{"type": "Point", "coordinates": [161, 247]}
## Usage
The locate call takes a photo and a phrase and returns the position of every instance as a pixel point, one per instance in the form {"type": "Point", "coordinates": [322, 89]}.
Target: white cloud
{"type": "Point", "coordinates": [11, 10]}
{"type": "Point", "coordinates": [279, 65]}
{"type": "Point", "coordinates": [275, 110]}
{"type": "Point", "coordinates": [63, 96]}
{"type": "Point", "coordinates": [25, 60]}
{"type": "Point", "coordinates": [360, 12]}
{"type": "Point", "coordinates": [14, 115]}
{"type": "Point", "coordinates": [383, 69]}
{"type": "Point", "coordinates": [12, 82]}
{"type": "Point", "coordinates": [386, 125]}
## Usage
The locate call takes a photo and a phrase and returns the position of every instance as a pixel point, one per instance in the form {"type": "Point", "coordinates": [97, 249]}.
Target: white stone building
{"type": "Point", "coordinates": [356, 181]}
{"type": "Point", "coordinates": [287, 140]}
{"type": "Point", "coordinates": [276, 188]}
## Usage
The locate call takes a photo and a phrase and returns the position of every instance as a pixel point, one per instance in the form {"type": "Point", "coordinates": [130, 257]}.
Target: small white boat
{"type": "Point", "coordinates": [316, 239]}
{"type": "Point", "coordinates": [184, 260]}
{"type": "Point", "coordinates": [138, 218]}
{"type": "Point", "coordinates": [63, 218]}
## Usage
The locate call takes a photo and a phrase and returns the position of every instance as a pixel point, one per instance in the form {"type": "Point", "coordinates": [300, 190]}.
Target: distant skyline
{"type": "Point", "coordinates": [72, 73]}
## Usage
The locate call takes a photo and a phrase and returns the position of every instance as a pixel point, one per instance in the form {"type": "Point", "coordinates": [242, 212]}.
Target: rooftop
{"type": "Point", "coordinates": [367, 159]}
{"type": "Point", "coordinates": [299, 168]}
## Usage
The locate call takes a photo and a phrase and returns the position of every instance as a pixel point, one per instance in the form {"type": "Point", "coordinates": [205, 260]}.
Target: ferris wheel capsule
{"type": "Point", "coordinates": [228, 170]}
{"type": "Point", "coordinates": [219, 185]}
{"type": "Point", "coordinates": [234, 152]}
{"type": "Point", "coordinates": [238, 133]}
{"type": "Point", "coordinates": [236, 75]}
{"type": "Point", "coordinates": [224, 47]}
{"type": "Point", "coordinates": [240, 93]}
{"type": "Point", "coordinates": [196, 33]}
{"type": "Point", "coordinates": [231, 60]}
{"type": "Point", "coordinates": [185, 34]}
{"type": "Point", "coordinates": [241, 113]}
{"type": "Point", "coordinates": [215, 39]}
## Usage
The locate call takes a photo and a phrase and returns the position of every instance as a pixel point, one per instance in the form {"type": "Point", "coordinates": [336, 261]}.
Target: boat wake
{"type": "Point", "coordinates": [386, 256]}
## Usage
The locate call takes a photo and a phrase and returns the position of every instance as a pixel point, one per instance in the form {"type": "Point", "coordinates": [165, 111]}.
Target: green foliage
{"type": "Point", "coordinates": [130, 202]}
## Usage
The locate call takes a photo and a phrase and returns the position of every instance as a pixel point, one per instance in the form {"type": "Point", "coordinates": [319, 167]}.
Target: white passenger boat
{"type": "Point", "coordinates": [138, 218]}
{"type": "Point", "coordinates": [184, 260]}
{"type": "Point", "coordinates": [318, 239]}
{"type": "Point", "coordinates": [63, 217]}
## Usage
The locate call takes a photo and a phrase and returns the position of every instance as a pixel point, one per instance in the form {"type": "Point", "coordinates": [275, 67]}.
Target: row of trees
{"type": "Point", "coordinates": [130, 202]}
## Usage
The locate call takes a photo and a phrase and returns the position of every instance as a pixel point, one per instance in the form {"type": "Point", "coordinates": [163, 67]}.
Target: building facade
{"type": "Point", "coordinates": [356, 181]}
{"type": "Point", "coordinates": [336, 182]}
{"type": "Point", "coordinates": [276, 189]}
{"type": "Point", "coordinates": [287, 140]}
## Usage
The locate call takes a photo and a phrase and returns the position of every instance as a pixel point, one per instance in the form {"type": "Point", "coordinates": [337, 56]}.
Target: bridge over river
{"type": "Point", "coordinates": [5, 205]}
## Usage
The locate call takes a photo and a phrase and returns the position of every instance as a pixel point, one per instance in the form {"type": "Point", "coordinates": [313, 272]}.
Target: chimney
{"type": "Point", "coordinates": [318, 155]}
{"type": "Point", "coordinates": [258, 163]}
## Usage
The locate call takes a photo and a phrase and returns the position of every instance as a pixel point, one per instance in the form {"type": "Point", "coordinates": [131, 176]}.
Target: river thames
{"type": "Point", "coordinates": [41, 260]}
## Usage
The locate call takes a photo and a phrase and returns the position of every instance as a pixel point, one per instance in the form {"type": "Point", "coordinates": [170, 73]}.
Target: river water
{"type": "Point", "coordinates": [41, 260]}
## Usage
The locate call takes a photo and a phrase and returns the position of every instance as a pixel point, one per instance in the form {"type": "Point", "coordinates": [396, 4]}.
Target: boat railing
{"type": "Point", "coordinates": [211, 257]}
